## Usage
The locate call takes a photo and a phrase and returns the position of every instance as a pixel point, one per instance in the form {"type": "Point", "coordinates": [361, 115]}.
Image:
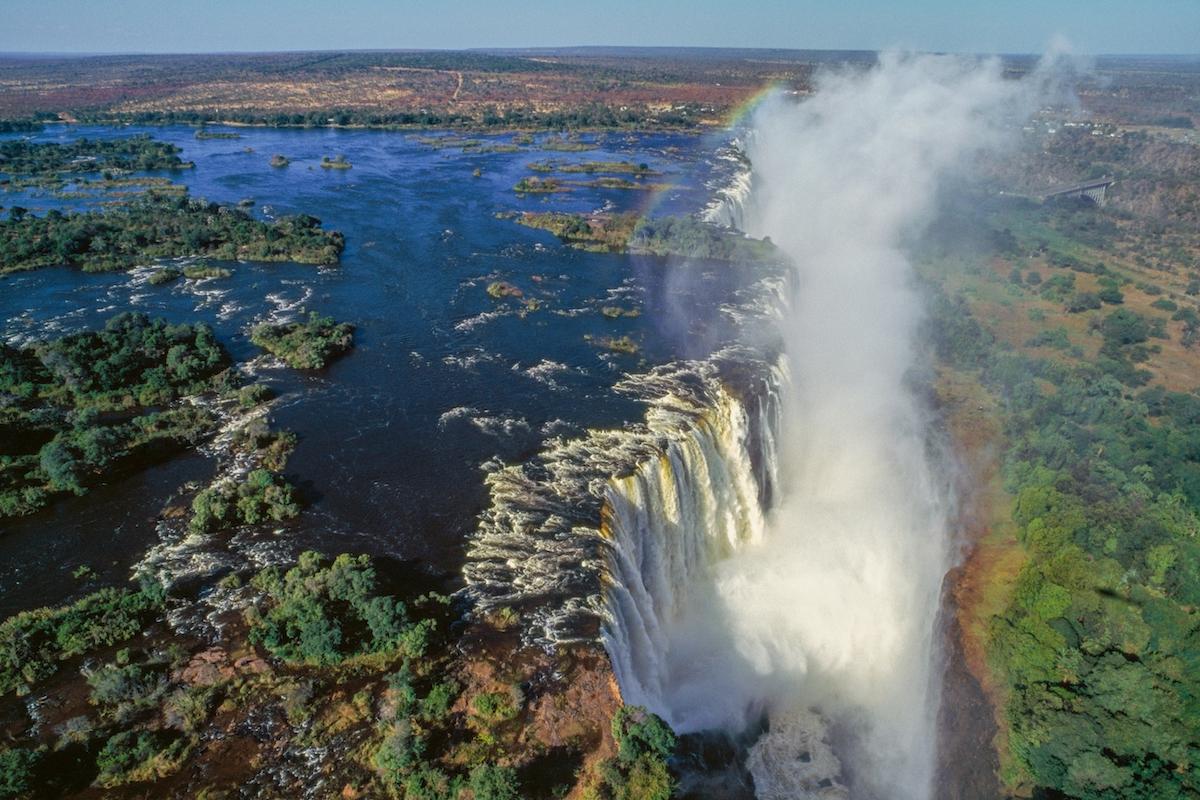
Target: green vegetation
{"type": "Point", "coordinates": [617, 344]}
{"type": "Point", "coordinates": [272, 447]}
{"type": "Point", "coordinates": [617, 183]}
{"type": "Point", "coordinates": [203, 133]}
{"type": "Point", "coordinates": [679, 236]}
{"type": "Point", "coordinates": [164, 276]}
{"type": "Point", "coordinates": [139, 713]}
{"type": "Point", "coordinates": [639, 772]}
{"type": "Point", "coordinates": [323, 613]}
{"type": "Point", "coordinates": [156, 226]}
{"type": "Point", "coordinates": [691, 238]}
{"type": "Point", "coordinates": [565, 144]}
{"type": "Point", "coordinates": [311, 344]}
{"type": "Point", "coordinates": [594, 167]}
{"type": "Point", "coordinates": [258, 497]}
{"type": "Point", "coordinates": [498, 290]}
{"type": "Point", "coordinates": [34, 643]}
{"type": "Point", "coordinates": [16, 771]}
{"type": "Point", "coordinates": [1097, 648]}
{"type": "Point", "coordinates": [134, 756]}
{"type": "Point", "coordinates": [22, 158]}
{"type": "Point", "coordinates": [596, 232]}
{"type": "Point", "coordinates": [613, 167]}
{"type": "Point", "coordinates": [77, 408]}
{"type": "Point", "coordinates": [535, 185]}
{"type": "Point", "coordinates": [203, 271]}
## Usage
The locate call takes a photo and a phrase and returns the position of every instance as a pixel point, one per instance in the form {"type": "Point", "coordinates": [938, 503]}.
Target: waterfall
{"type": "Point", "coordinates": [556, 542]}
{"type": "Point", "coordinates": [772, 540]}
{"type": "Point", "coordinates": [671, 521]}
{"type": "Point", "coordinates": [729, 205]}
{"type": "Point", "coordinates": [816, 608]}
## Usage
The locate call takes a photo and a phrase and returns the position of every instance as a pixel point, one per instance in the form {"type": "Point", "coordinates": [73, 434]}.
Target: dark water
{"type": "Point", "coordinates": [392, 436]}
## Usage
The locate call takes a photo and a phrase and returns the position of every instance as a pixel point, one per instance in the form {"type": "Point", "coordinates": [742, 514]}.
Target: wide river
{"type": "Point", "coordinates": [444, 379]}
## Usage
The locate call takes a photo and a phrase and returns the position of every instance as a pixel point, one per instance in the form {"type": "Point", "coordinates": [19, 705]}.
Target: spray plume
{"type": "Point", "coordinates": [825, 620]}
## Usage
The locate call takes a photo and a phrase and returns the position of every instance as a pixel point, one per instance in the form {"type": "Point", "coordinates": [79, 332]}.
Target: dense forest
{"type": "Point", "coordinates": [20, 157]}
{"type": "Point", "coordinates": [156, 226]}
{"type": "Point", "coordinates": [76, 410]}
{"type": "Point", "coordinates": [1097, 645]}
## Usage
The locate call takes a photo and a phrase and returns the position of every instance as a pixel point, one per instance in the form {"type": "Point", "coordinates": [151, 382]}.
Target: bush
{"type": "Point", "coordinates": [311, 344]}
{"type": "Point", "coordinates": [261, 496]}
{"type": "Point", "coordinates": [324, 614]}
{"type": "Point", "coordinates": [16, 771]}
{"type": "Point", "coordinates": [638, 732]}
{"type": "Point", "coordinates": [132, 756]}
{"type": "Point", "coordinates": [33, 643]}
{"type": "Point", "coordinates": [495, 707]}
{"type": "Point", "coordinates": [494, 783]}
{"type": "Point", "coordinates": [127, 688]}
{"type": "Point", "coordinates": [1083, 301]}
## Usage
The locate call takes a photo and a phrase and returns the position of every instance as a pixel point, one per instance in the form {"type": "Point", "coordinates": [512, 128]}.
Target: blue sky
{"type": "Point", "coordinates": [1093, 26]}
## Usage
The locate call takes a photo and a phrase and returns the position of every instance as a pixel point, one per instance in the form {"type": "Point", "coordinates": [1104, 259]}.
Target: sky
{"type": "Point", "coordinates": [980, 26]}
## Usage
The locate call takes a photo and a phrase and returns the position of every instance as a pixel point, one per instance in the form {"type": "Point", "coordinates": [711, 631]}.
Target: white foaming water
{"type": "Point", "coordinates": [820, 611]}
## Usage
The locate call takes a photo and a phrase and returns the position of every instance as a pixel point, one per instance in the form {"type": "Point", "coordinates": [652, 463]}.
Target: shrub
{"type": "Point", "coordinates": [1083, 301]}
{"type": "Point", "coordinates": [16, 771]}
{"type": "Point", "coordinates": [132, 756]}
{"type": "Point", "coordinates": [259, 497]}
{"type": "Point", "coordinates": [311, 344]}
{"type": "Point", "coordinates": [494, 783]}
{"type": "Point", "coordinates": [494, 706]}
{"type": "Point", "coordinates": [127, 688]}
{"type": "Point", "coordinates": [324, 614]}
{"type": "Point", "coordinates": [32, 643]}
{"type": "Point", "coordinates": [638, 732]}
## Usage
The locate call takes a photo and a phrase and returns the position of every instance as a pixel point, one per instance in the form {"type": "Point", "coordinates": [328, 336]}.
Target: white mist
{"type": "Point", "coordinates": [825, 621]}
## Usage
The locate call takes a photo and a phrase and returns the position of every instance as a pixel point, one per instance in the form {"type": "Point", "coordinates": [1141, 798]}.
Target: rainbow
{"type": "Point", "coordinates": [735, 117]}
{"type": "Point", "coordinates": [747, 106]}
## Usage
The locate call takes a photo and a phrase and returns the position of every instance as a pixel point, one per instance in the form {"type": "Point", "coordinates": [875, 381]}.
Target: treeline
{"type": "Point", "coordinates": [135, 153]}
{"type": "Point", "coordinates": [589, 116]}
{"type": "Point", "coordinates": [29, 125]}
{"type": "Point", "coordinates": [159, 226]}
{"type": "Point", "coordinates": [1099, 648]}
{"type": "Point", "coordinates": [76, 409]}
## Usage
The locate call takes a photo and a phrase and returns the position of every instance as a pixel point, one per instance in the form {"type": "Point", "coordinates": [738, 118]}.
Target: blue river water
{"type": "Point", "coordinates": [443, 377]}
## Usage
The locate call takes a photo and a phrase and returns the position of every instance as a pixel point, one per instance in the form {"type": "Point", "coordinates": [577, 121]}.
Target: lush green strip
{"type": "Point", "coordinates": [1100, 648]}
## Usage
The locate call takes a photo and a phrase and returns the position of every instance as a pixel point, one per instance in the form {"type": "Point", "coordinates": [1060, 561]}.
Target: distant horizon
{"type": "Point", "coordinates": [568, 48]}
{"type": "Point", "coordinates": [191, 27]}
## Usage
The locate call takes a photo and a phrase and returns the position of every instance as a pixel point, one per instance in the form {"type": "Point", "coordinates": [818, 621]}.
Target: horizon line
{"type": "Point", "coordinates": [551, 49]}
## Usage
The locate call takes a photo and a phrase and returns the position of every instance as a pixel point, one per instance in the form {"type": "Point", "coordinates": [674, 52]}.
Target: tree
{"type": "Point", "coordinates": [494, 783]}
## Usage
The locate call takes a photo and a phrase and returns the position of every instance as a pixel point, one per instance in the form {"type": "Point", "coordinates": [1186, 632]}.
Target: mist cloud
{"type": "Point", "coordinates": [833, 609]}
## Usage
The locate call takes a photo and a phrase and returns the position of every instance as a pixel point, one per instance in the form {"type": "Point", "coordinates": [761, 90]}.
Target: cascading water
{"type": "Point", "coordinates": [818, 609]}
{"type": "Point", "coordinates": [670, 521]}
{"type": "Point", "coordinates": [772, 540]}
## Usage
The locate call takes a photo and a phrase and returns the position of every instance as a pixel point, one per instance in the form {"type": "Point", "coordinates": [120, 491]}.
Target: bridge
{"type": "Point", "coordinates": [1092, 190]}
